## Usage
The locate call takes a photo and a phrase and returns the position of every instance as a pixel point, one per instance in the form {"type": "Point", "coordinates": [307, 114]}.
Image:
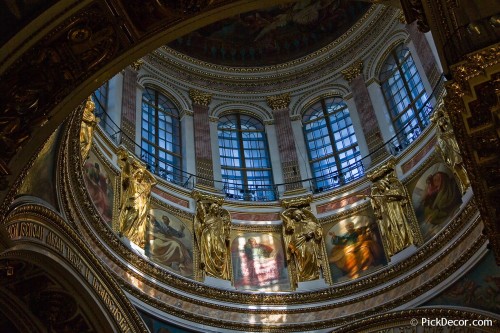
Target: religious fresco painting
{"type": "Point", "coordinates": [354, 246]}
{"type": "Point", "coordinates": [99, 182]}
{"type": "Point", "coordinates": [169, 242]}
{"type": "Point", "coordinates": [41, 179]}
{"type": "Point", "coordinates": [478, 289]}
{"type": "Point", "coordinates": [436, 198]}
{"type": "Point", "coordinates": [274, 35]}
{"type": "Point", "coordinates": [258, 262]}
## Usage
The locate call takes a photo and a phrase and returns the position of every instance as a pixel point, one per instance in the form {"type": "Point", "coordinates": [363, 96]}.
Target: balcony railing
{"type": "Point", "coordinates": [247, 192]}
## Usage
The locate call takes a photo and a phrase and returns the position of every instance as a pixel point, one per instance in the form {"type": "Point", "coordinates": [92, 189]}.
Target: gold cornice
{"type": "Point", "coordinates": [272, 75]}
{"type": "Point", "coordinates": [200, 98]}
{"type": "Point", "coordinates": [278, 102]}
{"type": "Point", "coordinates": [372, 10]}
{"type": "Point", "coordinates": [353, 71]}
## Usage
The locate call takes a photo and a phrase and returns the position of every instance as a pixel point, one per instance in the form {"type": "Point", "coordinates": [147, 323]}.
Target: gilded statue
{"type": "Point", "coordinates": [89, 122]}
{"type": "Point", "coordinates": [135, 197]}
{"type": "Point", "coordinates": [448, 147]}
{"type": "Point", "coordinates": [390, 203]}
{"type": "Point", "coordinates": [212, 226]}
{"type": "Point", "coordinates": [303, 237]}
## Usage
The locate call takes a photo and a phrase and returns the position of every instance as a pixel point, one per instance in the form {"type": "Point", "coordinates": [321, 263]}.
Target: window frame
{"type": "Point", "coordinates": [323, 174]}
{"type": "Point", "coordinates": [153, 129]}
{"type": "Point", "coordinates": [249, 192]}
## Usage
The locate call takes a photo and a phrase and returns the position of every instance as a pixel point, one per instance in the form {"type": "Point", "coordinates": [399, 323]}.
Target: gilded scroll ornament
{"type": "Point", "coordinates": [390, 203]}
{"type": "Point", "coordinates": [135, 197]}
{"type": "Point", "coordinates": [448, 147]}
{"type": "Point", "coordinates": [89, 122]}
{"type": "Point", "coordinates": [136, 65]}
{"type": "Point", "coordinates": [200, 98]}
{"type": "Point", "coordinates": [353, 71]}
{"type": "Point", "coordinates": [303, 237]}
{"type": "Point", "coordinates": [278, 102]}
{"type": "Point", "coordinates": [212, 226]}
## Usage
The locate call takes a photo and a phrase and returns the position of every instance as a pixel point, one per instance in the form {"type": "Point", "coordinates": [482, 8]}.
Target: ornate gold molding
{"type": "Point", "coordinates": [353, 71]}
{"type": "Point", "coordinates": [136, 65]}
{"type": "Point", "coordinates": [278, 102]}
{"type": "Point", "coordinates": [200, 98]}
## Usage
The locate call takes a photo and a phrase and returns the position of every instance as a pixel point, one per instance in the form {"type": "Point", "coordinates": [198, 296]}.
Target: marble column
{"type": "Point", "coordinates": [129, 96]}
{"type": "Point", "coordinates": [371, 130]}
{"type": "Point", "coordinates": [286, 143]}
{"type": "Point", "coordinates": [188, 150]}
{"type": "Point", "coordinates": [424, 53]}
{"type": "Point", "coordinates": [202, 142]}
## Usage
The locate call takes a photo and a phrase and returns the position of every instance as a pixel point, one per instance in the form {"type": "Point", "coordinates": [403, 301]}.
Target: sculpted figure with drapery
{"type": "Point", "coordinates": [303, 237]}
{"type": "Point", "coordinates": [212, 226]}
{"type": "Point", "coordinates": [135, 197]}
{"type": "Point", "coordinates": [392, 209]}
{"type": "Point", "coordinates": [89, 122]}
{"type": "Point", "coordinates": [447, 147]}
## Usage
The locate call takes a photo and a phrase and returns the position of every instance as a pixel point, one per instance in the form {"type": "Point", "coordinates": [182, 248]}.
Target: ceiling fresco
{"type": "Point", "coordinates": [272, 36]}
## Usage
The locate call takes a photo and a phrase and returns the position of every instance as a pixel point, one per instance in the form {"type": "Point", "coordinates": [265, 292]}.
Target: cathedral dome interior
{"type": "Point", "coordinates": [248, 166]}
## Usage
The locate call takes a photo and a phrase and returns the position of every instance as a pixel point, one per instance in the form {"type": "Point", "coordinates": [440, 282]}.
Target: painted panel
{"type": "Point", "coordinates": [354, 246]}
{"type": "Point", "coordinates": [170, 242]}
{"type": "Point", "coordinates": [99, 182]}
{"type": "Point", "coordinates": [258, 262]}
{"type": "Point", "coordinates": [479, 288]}
{"type": "Point", "coordinates": [436, 198]}
{"type": "Point", "coordinates": [41, 181]}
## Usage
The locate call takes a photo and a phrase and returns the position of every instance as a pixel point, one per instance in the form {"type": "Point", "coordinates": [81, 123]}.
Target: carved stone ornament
{"type": "Point", "coordinates": [136, 65]}
{"type": "Point", "coordinates": [296, 202]}
{"type": "Point", "coordinates": [353, 71]}
{"type": "Point", "coordinates": [381, 171]}
{"type": "Point", "coordinates": [278, 102]}
{"type": "Point", "coordinates": [199, 97]}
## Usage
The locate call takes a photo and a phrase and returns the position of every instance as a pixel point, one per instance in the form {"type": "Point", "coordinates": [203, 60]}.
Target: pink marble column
{"type": "Point", "coordinates": [286, 142]}
{"type": "Point", "coordinates": [424, 52]}
{"type": "Point", "coordinates": [202, 142]}
{"type": "Point", "coordinates": [129, 96]}
{"type": "Point", "coordinates": [364, 107]}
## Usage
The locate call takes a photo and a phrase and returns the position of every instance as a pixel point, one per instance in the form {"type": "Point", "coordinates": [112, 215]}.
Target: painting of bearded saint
{"type": "Point", "coordinates": [99, 187]}
{"type": "Point", "coordinates": [170, 242]}
{"type": "Point", "coordinates": [436, 198]}
{"type": "Point", "coordinates": [355, 247]}
{"type": "Point", "coordinates": [258, 263]}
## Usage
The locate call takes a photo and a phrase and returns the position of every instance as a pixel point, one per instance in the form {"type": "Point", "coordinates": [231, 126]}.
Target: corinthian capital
{"type": "Point", "coordinates": [199, 97]}
{"type": "Point", "coordinates": [353, 71]}
{"type": "Point", "coordinates": [278, 102]}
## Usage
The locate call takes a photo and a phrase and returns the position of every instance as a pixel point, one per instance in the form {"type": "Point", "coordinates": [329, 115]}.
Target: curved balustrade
{"type": "Point", "coordinates": [397, 144]}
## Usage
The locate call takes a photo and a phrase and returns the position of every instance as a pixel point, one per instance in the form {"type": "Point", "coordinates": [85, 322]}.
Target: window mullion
{"type": "Point", "coordinates": [332, 138]}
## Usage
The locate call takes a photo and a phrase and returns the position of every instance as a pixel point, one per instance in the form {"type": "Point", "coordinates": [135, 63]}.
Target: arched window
{"type": "Point", "coordinates": [405, 96]}
{"type": "Point", "coordinates": [100, 98]}
{"type": "Point", "coordinates": [332, 145]}
{"type": "Point", "coordinates": [161, 136]}
{"type": "Point", "coordinates": [244, 155]}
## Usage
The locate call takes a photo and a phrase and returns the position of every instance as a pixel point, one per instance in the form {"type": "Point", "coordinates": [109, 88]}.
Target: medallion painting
{"type": "Point", "coordinates": [99, 182]}
{"type": "Point", "coordinates": [258, 262]}
{"type": "Point", "coordinates": [170, 242]}
{"type": "Point", "coordinates": [354, 247]}
{"type": "Point", "coordinates": [274, 35]}
{"type": "Point", "coordinates": [436, 198]}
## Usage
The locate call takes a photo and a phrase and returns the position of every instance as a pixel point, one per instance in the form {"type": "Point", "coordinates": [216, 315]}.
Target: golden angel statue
{"type": "Point", "coordinates": [448, 147]}
{"type": "Point", "coordinates": [390, 203]}
{"type": "Point", "coordinates": [303, 240]}
{"type": "Point", "coordinates": [212, 226]}
{"type": "Point", "coordinates": [89, 122]}
{"type": "Point", "coordinates": [135, 197]}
